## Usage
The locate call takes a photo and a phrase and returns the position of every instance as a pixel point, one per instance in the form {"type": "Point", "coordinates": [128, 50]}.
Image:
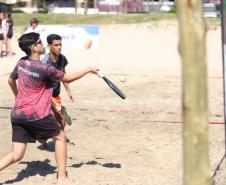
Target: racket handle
{"type": "Point", "coordinates": [100, 75]}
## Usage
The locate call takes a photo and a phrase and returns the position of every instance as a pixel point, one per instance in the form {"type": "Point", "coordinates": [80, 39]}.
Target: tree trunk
{"type": "Point", "coordinates": [192, 47]}
{"type": "Point", "coordinates": [86, 6]}
{"type": "Point", "coordinates": [76, 6]}
{"type": "Point", "coordinates": [29, 4]}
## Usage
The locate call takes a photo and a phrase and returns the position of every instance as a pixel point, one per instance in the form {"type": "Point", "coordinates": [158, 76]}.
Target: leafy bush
{"type": "Point", "coordinates": [173, 9]}
{"type": "Point", "coordinates": [17, 11]}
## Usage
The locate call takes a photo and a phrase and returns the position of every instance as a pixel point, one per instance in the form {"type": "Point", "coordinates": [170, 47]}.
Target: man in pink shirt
{"type": "Point", "coordinates": [31, 114]}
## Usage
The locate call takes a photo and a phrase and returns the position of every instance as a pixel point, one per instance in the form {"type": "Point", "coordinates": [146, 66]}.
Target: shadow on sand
{"type": "Point", "coordinates": [42, 168]}
{"type": "Point", "coordinates": [50, 146]}
{"type": "Point", "coordinates": [106, 165]}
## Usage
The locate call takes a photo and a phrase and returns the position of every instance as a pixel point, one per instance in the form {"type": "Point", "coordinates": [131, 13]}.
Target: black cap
{"type": "Point", "coordinates": [34, 20]}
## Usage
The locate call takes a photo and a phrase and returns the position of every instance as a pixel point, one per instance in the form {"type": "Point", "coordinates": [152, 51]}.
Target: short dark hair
{"type": "Point", "coordinates": [53, 37]}
{"type": "Point", "coordinates": [34, 20]}
{"type": "Point", "coordinates": [27, 40]}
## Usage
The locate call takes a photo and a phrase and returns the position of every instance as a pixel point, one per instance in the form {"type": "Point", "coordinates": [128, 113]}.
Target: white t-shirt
{"type": "Point", "coordinates": [3, 27]}
{"type": "Point", "coordinates": [29, 30]}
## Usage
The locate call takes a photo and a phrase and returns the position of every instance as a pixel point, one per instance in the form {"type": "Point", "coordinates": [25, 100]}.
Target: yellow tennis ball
{"type": "Point", "coordinates": [122, 78]}
{"type": "Point", "coordinates": [88, 43]}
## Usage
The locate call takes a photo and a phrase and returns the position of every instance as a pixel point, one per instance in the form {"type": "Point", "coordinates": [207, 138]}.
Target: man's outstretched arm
{"type": "Point", "coordinates": [80, 74]}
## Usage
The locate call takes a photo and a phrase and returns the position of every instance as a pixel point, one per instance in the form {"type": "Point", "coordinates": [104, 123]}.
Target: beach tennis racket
{"type": "Point", "coordinates": [112, 86]}
{"type": "Point", "coordinates": [66, 115]}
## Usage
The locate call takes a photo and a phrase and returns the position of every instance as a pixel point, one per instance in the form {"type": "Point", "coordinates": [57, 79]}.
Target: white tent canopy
{"type": "Point", "coordinates": [11, 1]}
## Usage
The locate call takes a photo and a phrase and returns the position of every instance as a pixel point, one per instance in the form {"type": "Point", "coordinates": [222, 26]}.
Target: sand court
{"type": "Point", "coordinates": [137, 141]}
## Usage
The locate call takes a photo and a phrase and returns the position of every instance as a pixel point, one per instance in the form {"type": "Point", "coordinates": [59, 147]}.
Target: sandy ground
{"type": "Point", "coordinates": [137, 141]}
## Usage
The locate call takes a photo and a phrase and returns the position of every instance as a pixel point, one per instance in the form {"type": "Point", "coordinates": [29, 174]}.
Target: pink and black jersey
{"type": "Point", "coordinates": [33, 101]}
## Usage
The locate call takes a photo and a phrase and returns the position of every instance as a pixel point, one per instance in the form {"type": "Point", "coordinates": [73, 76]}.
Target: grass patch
{"type": "Point", "coordinates": [24, 19]}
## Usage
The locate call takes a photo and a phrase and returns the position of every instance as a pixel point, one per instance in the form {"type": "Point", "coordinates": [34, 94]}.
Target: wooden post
{"type": "Point", "coordinates": [192, 48]}
{"type": "Point", "coordinates": [223, 30]}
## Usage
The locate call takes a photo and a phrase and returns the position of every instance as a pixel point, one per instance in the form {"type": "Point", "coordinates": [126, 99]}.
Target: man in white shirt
{"type": "Point", "coordinates": [33, 25]}
{"type": "Point", "coordinates": [3, 32]}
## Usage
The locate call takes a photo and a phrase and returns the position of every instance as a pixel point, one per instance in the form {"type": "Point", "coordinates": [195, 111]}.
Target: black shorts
{"type": "Point", "coordinates": [9, 35]}
{"type": "Point", "coordinates": [29, 132]}
{"type": "Point", "coordinates": [1, 36]}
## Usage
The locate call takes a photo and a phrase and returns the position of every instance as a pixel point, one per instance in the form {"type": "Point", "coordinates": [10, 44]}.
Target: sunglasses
{"type": "Point", "coordinates": [39, 41]}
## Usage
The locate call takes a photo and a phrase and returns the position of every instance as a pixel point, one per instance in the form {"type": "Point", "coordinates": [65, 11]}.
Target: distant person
{"type": "Point", "coordinates": [30, 82]}
{"type": "Point", "coordinates": [9, 21]}
{"type": "Point", "coordinates": [3, 33]}
{"type": "Point", "coordinates": [34, 28]}
{"type": "Point", "coordinates": [33, 25]}
{"type": "Point", "coordinates": [59, 61]}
